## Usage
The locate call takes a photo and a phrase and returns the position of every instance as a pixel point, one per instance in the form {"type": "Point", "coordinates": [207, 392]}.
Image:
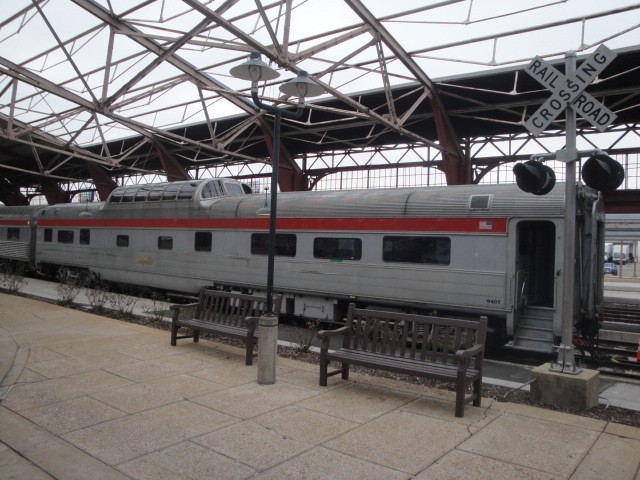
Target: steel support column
{"type": "Point", "coordinates": [103, 182]}
{"type": "Point", "coordinates": [172, 168]}
{"type": "Point", "coordinates": [53, 193]}
{"type": "Point", "coordinates": [290, 176]}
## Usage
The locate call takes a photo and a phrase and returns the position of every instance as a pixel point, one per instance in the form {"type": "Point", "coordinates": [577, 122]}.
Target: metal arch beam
{"type": "Point", "coordinates": [454, 158]}
{"type": "Point", "coordinates": [104, 183]}
{"type": "Point", "coordinates": [173, 170]}
{"type": "Point", "coordinates": [10, 195]}
{"type": "Point", "coordinates": [290, 176]}
{"type": "Point", "coordinates": [170, 57]}
{"type": "Point", "coordinates": [52, 191]}
{"type": "Point", "coordinates": [284, 61]}
{"type": "Point", "coordinates": [20, 73]}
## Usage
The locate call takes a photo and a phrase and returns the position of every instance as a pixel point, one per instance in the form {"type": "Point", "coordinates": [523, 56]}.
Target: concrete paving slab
{"type": "Point", "coordinates": [401, 440]}
{"type": "Point", "coordinates": [532, 443]}
{"type": "Point", "coordinates": [366, 427]}
{"type": "Point", "coordinates": [188, 461]}
{"type": "Point", "coordinates": [51, 453]}
{"type": "Point", "coordinates": [309, 379]}
{"type": "Point", "coordinates": [253, 444]}
{"type": "Point", "coordinates": [63, 367]}
{"type": "Point", "coordinates": [69, 415]}
{"type": "Point", "coordinates": [138, 397]}
{"type": "Point", "coordinates": [27, 376]}
{"type": "Point", "coordinates": [13, 466]}
{"type": "Point", "coordinates": [304, 425]}
{"type": "Point", "coordinates": [459, 465]}
{"type": "Point", "coordinates": [250, 399]}
{"type": "Point", "coordinates": [144, 371]}
{"type": "Point", "coordinates": [322, 464]}
{"type": "Point", "coordinates": [126, 438]}
{"type": "Point", "coordinates": [622, 395]}
{"type": "Point", "coordinates": [611, 457]}
{"type": "Point", "coordinates": [206, 352]}
{"type": "Point", "coordinates": [43, 354]}
{"type": "Point", "coordinates": [29, 395]}
{"type": "Point", "coordinates": [560, 418]}
{"type": "Point", "coordinates": [234, 373]}
{"type": "Point", "coordinates": [358, 403]}
{"type": "Point", "coordinates": [476, 417]}
{"type": "Point", "coordinates": [623, 431]}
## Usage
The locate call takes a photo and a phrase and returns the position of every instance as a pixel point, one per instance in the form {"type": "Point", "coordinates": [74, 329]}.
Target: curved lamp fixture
{"type": "Point", "coordinates": [255, 70]}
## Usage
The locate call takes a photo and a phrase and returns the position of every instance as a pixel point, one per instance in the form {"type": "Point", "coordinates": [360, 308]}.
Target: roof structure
{"type": "Point", "coordinates": [92, 90]}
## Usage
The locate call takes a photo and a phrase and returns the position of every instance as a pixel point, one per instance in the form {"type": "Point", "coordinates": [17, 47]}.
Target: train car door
{"type": "Point", "coordinates": [534, 281]}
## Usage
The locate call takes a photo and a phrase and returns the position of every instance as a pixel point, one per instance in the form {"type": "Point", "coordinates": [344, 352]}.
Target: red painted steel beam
{"type": "Point", "coordinates": [53, 193]}
{"type": "Point", "coordinates": [103, 182]}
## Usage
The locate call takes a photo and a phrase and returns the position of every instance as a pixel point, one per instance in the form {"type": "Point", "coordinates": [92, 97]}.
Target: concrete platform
{"type": "Point", "coordinates": [89, 397]}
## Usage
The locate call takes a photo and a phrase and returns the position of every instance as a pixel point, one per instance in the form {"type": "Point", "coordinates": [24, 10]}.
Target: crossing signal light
{"type": "Point", "coordinates": [534, 177]}
{"type": "Point", "coordinates": [603, 173]}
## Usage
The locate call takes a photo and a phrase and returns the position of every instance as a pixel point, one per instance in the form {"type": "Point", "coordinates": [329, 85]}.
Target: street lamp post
{"type": "Point", "coordinates": [255, 70]}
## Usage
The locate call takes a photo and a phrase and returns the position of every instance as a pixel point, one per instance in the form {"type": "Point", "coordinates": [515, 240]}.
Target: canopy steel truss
{"type": "Point", "coordinates": [97, 91]}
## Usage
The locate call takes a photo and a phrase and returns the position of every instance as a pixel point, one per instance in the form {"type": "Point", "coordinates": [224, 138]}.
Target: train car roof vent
{"type": "Point", "coordinates": [480, 202]}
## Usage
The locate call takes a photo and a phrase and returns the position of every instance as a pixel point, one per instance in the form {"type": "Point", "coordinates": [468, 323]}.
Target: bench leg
{"type": "Point", "coordinates": [196, 335]}
{"type": "Point", "coordinates": [345, 371]}
{"type": "Point", "coordinates": [251, 341]}
{"type": "Point", "coordinates": [174, 334]}
{"type": "Point", "coordinates": [323, 371]}
{"type": "Point", "coordinates": [460, 399]}
{"type": "Point", "coordinates": [477, 392]}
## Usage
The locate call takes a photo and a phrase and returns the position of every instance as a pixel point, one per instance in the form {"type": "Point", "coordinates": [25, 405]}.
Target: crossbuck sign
{"type": "Point", "coordinates": [570, 91]}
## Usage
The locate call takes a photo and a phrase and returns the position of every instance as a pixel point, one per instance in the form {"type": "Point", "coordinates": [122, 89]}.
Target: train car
{"type": "Point", "coordinates": [468, 251]}
{"type": "Point", "coordinates": [17, 237]}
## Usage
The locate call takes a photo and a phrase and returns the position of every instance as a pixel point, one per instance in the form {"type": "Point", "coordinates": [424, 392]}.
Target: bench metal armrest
{"type": "Point", "coordinates": [250, 322]}
{"type": "Point", "coordinates": [464, 356]}
{"type": "Point", "coordinates": [325, 335]}
{"type": "Point", "coordinates": [180, 306]}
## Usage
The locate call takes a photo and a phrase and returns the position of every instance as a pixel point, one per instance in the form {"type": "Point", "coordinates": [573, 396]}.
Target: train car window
{"type": "Point", "coordinates": [48, 235]}
{"type": "Point", "coordinates": [129, 194]}
{"type": "Point", "coordinates": [203, 242]}
{"type": "Point", "coordinates": [156, 193]}
{"type": "Point", "coordinates": [233, 189]}
{"type": "Point", "coordinates": [13, 234]}
{"type": "Point", "coordinates": [122, 240]}
{"type": "Point", "coordinates": [65, 236]}
{"type": "Point", "coordinates": [285, 244]}
{"type": "Point", "coordinates": [85, 236]}
{"type": "Point", "coordinates": [165, 243]}
{"type": "Point", "coordinates": [409, 249]}
{"type": "Point", "coordinates": [211, 190]}
{"type": "Point", "coordinates": [337, 248]}
{"type": "Point", "coordinates": [116, 196]}
{"type": "Point", "coordinates": [186, 192]}
{"type": "Point", "coordinates": [171, 191]}
{"type": "Point", "coordinates": [141, 195]}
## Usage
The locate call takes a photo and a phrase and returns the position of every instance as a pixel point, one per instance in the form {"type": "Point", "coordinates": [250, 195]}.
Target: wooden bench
{"type": "Point", "coordinates": [223, 313]}
{"type": "Point", "coordinates": [432, 347]}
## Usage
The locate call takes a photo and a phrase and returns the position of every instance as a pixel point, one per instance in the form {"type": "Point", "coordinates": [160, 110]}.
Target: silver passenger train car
{"type": "Point", "coordinates": [470, 251]}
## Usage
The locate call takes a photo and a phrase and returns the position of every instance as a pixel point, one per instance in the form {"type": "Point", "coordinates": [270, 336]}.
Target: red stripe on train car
{"type": "Point", "coordinates": [15, 223]}
{"type": "Point", "coordinates": [454, 225]}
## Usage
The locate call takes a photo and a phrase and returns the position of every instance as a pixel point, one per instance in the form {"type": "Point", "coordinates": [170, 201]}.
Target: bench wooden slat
{"type": "Point", "coordinates": [229, 314]}
{"type": "Point", "coordinates": [431, 347]}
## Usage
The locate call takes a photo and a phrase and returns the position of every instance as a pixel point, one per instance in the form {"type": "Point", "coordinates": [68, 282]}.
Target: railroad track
{"type": "Point", "coordinates": [621, 313]}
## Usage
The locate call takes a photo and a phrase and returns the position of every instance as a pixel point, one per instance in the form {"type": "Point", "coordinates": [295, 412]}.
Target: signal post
{"type": "Point", "coordinates": [563, 382]}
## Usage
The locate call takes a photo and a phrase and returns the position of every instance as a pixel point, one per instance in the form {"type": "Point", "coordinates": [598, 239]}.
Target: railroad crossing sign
{"type": "Point", "coordinates": [570, 91]}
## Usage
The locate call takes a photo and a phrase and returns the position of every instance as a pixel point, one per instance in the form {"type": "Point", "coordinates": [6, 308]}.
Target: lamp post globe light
{"type": "Point", "coordinates": [255, 70]}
